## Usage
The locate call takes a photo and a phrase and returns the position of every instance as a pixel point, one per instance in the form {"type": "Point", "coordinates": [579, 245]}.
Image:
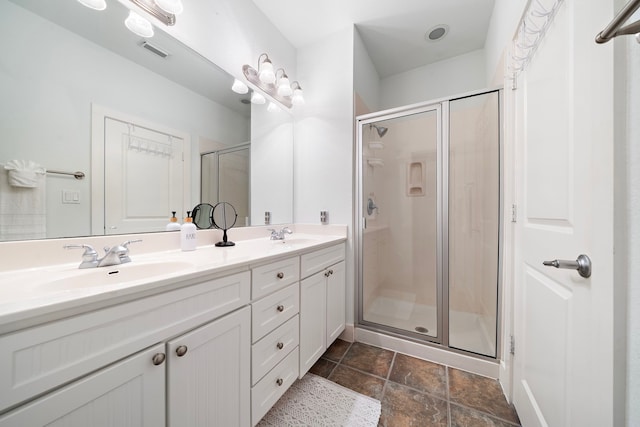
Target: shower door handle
{"type": "Point", "coordinates": [582, 264]}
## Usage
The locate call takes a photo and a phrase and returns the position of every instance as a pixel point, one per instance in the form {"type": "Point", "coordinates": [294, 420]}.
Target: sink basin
{"type": "Point", "coordinates": [103, 276]}
{"type": "Point", "coordinates": [295, 241]}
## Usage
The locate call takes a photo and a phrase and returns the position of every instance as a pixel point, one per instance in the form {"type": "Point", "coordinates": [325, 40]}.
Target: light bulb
{"type": "Point", "coordinates": [297, 98]}
{"type": "Point", "coordinates": [284, 87]}
{"type": "Point", "coordinates": [138, 25]}
{"type": "Point", "coordinates": [170, 6]}
{"type": "Point", "coordinates": [94, 4]}
{"type": "Point", "coordinates": [257, 98]}
{"type": "Point", "coordinates": [266, 74]}
{"type": "Point", "coordinates": [239, 87]}
{"type": "Point", "coordinates": [272, 108]}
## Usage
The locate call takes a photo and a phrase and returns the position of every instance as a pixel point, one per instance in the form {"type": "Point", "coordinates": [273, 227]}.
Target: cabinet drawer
{"type": "Point", "coordinates": [38, 359]}
{"type": "Point", "coordinates": [315, 261]}
{"type": "Point", "coordinates": [272, 311]}
{"type": "Point", "coordinates": [267, 392]}
{"type": "Point", "coordinates": [276, 275]}
{"type": "Point", "coordinates": [270, 350]}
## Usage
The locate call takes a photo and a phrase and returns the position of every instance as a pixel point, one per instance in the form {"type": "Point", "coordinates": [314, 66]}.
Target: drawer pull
{"type": "Point", "coordinates": [280, 345]}
{"type": "Point", "coordinates": [279, 381]}
{"type": "Point", "coordinates": [158, 358]}
{"type": "Point", "coordinates": [280, 308]}
{"type": "Point", "coordinates": [181, 351]}
{"type": "Point", "coordinates": [280, 275]}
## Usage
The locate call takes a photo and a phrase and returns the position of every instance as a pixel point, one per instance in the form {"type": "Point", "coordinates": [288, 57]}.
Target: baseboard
{"type": "Point", "coordinates": [348, 334]}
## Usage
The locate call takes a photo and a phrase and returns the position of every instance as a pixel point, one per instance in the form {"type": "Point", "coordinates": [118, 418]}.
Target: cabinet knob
{"type": "Point", "coordinates": [330, 272]}
{"type": "Point", "coordinates": [280, 345]}
{"type": "Point", "coordinates": [280, 275]}
{"type": "Point", "coordinates": [181, 351]}
{"type": "Point", "coordinates": [279, 381]}
{"type": "Point", "coordinates": [326, 274]}
{"type": "Point", "coordinates": [158, 358]}
{"type": "Point", "coordinates": [280, 308]}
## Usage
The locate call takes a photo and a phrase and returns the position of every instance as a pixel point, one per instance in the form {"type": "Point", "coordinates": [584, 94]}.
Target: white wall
{"type": "Point", "coordinates": [463, 73]}
{"type": "Point", "coordinates": [366, 80]}
{"type": "Point", "coordinates": [323, 135]}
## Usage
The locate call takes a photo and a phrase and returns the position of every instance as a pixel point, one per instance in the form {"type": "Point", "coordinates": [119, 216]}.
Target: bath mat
{"type": "Point", "coordinates": [314, 401]}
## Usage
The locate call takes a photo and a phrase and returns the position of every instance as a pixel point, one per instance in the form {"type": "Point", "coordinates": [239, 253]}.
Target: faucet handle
{"type": "Point", "coordinates": [286, 230]}
{"type": "Point", "coordinates": [89, 256]}
{"type": "Point", "coordinates": [128, 242]}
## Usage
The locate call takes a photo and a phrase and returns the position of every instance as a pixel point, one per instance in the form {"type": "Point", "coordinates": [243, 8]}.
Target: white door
{"type": "Point", "coordinates": [313, 320]}
{"type": "Point", "coordinates": [336, 302]}
{"type": "Point", "coordinates": [563, 323]}
{"type": "Point", "coordinates": [143, 178]}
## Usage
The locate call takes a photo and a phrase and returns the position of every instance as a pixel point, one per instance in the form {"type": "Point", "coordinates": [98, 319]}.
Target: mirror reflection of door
{"type": "Point", "coordinates": [143, 177]}
{"type": "Point", "coordinates": [225, 178]}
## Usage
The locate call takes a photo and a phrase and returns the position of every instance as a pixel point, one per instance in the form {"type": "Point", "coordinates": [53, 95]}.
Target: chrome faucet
{"type": "Point", "coordinates": [115, 255]}
{"type": "Point", "coordinates": [279, 235]}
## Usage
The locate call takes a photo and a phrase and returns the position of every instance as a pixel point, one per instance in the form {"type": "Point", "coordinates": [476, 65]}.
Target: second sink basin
{"type": "Point", "coordinates": [103, 276]}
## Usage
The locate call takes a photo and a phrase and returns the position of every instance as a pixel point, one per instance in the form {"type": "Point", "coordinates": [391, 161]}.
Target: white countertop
{"type": "Point", "coordinates": [34, 295]}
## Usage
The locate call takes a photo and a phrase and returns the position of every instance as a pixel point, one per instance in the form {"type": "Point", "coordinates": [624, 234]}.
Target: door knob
{"type": "Point", "coordinates": [582, 264]}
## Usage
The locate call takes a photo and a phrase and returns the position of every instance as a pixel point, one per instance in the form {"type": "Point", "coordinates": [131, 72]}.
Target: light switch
{"type": "Point", "coordinates": [70, 197]}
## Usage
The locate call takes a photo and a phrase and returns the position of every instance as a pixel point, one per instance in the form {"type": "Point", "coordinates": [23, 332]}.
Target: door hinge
{"type": "Point", "coordinates": [514, 213]}
{"type": "Point", "coordinates": [512, 345]}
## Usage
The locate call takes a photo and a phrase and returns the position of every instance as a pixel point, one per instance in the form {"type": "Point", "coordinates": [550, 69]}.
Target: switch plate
{"type": "Point", "coordinates": [70, 197]}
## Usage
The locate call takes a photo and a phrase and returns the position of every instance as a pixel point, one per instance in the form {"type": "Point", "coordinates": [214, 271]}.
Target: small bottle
{"type": "Point", "coordinates": [188, 239]}
{"type": "Point", "coordinates": [173, 225]}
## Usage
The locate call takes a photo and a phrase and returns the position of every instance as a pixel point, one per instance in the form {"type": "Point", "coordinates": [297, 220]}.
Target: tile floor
{"type": "Point", "coordinates": [415, 392]}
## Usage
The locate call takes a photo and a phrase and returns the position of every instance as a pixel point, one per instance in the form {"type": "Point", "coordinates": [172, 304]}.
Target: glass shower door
{"type": "Point", "coordinates": [401, 252]}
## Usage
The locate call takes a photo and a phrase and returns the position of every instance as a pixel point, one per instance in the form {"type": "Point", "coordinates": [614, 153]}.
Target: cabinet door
{"type": "Point", "coordinates": [208, 374]}
{"type": "Point", "coordinates": [336, 304]}
{"type": "Point", "coordinates": [313, 317]}
{"type": "Point", "coordinates": [129, 393]}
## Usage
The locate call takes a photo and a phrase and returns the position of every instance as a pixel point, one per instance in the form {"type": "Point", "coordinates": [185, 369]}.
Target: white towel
{"type": "Point", "coordinates": [25, 173]}
{"type": "Point", "coordinates": [22, 210]}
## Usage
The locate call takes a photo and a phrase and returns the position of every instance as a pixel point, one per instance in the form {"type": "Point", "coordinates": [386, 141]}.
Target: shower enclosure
{"type": "Point", "coordinates": [429, 191]}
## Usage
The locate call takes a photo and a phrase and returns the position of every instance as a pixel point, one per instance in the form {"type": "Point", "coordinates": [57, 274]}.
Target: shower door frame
{"type": "Point", "coordinates": [442, 217]}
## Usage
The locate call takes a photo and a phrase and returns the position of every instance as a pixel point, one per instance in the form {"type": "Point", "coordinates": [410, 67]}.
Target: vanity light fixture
{"type": "Point", "coordinates": [94, 4]}
{"type": "Point", "coordinates": [297, 98]}
{"type": "Point", "coordinates": [275, 85]}
{"type": "Point", "coordinates": [138, 25]}
{"type": "Point", "coordinates": [239, 87]}
{"type": "Point", "coordinates": [272, 108]}
{"type": "Point", "coordinates": [156, 9]}
{"type": "Point", "coordinates": [283, 85]}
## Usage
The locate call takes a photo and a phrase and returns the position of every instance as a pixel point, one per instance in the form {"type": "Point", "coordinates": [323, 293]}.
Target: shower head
{"type": "Point", "coordinates": [381, 130]}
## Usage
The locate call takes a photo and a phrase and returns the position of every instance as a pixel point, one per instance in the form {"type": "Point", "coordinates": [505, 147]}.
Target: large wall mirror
{"type": "Point", "coordinates": [83, 93]}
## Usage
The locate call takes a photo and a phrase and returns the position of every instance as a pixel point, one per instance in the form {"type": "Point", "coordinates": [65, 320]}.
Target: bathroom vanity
{"type": "Point", "coordinates": [214, 338]}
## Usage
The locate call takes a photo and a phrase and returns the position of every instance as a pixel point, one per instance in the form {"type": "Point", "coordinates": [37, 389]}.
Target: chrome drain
{"type": "Point", "coordinates": [422, 329]}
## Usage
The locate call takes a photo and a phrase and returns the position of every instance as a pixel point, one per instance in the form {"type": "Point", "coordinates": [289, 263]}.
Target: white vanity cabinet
{"type": "Point", "coordinates": [100, 375]}
{"type": "Point", "coordinates": [322, 302]}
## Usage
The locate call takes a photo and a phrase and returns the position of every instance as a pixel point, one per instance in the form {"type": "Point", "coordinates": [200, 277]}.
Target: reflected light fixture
{"type": "Point", "coordinates": [155, 9]}
{"type": "Point", "coordinates": [239, 87]}
{"type": "Point", "coordinates": [272, 108]}
{"type": "Point", "coordinates": [257, 98]}
{"type": "Point", "coordinates": [265, 70]}
{"type": "Point", "coordinates": [297, 98]}
{"type": "Point", "coordinates": [138, 25]}
{"type": "Point", "coordinates": [94, 4]}
{"type": "Point", "coordinates": [174, 7]}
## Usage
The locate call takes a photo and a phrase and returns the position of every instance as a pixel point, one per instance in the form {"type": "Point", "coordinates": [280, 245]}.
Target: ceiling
{"type": "Point", "coordinates": [393, 31]}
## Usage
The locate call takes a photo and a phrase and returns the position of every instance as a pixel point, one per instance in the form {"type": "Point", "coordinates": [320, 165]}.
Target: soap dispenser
{"type": "Point", "coordinates": [173, 224]}
{"type": "Point", "coordinates": [188, 239]}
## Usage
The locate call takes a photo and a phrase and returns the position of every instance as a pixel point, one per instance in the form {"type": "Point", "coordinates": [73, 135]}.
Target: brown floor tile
{"type": "Point", "coordinates": [402, 406]}
{"type": "Point", "coordinates": [465, 417]}
{"type": "Point", "coordinates": [358, 381]}
{"type": "Point", "coordinates": [374, 360]}
{"type": "Point", "coordinates": [481, 393]}
{"type": "Point", "coordinates": [323, 367]}
{"type": "Point", "coordinates": [419, 374]}
{"type": "Point", "coordinates": [336, 350]}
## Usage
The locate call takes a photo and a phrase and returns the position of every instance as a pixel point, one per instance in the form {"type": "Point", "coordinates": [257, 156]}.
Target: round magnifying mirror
{"type": "Point", "coordinates": [224, 217]}
{"type": "Point", "coordinates": [202, 216]}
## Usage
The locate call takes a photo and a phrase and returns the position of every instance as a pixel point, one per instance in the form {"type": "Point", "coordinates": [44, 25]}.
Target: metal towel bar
{"type": "Point", "coordinates": [615, 27]}
{"type": "Point", "coordinates": [76, 175]}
